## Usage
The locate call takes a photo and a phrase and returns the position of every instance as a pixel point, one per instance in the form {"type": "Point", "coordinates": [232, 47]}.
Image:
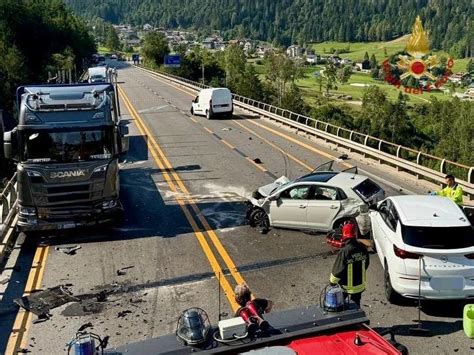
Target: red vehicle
{"type": "Point", "coordinates": [303, 331]}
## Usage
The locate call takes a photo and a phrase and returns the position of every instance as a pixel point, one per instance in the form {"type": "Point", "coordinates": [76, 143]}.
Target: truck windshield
{"type": "Point", "coordinates": [67, 146]}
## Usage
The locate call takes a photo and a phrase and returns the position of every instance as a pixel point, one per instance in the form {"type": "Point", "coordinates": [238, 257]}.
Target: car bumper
{"type": "Point", "coordinates": [94, 217]}
{"type": "Point", "coordinates": [407, 286]}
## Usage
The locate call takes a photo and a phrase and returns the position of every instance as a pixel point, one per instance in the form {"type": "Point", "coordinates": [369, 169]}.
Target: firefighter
{"type": "Point", "coordinates": [352, 261]}
{"type": "Point", "coordinates": [452, 190]}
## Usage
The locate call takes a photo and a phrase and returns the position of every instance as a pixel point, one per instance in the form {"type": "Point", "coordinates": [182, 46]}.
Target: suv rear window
{"type": "Point", "coordinates": [438, 237]}
{"type": "Point", "coordinates": [367, 189]}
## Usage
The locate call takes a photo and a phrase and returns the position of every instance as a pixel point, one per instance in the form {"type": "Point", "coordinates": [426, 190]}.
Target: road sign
{"type": "Point", "coordinates": [172, 61]}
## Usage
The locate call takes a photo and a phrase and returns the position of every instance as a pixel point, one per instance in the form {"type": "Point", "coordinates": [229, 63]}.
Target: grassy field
{"type": "Point", "coordinates": [358, 81]}
{"type": "Point", "coordinates": [357, 50]}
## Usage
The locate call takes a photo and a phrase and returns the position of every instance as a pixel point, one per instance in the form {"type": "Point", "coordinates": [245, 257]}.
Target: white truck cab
{"type": "Point", "coordinates": [98, 75]}
{"type": "Point", "coordinates": [213, 102]}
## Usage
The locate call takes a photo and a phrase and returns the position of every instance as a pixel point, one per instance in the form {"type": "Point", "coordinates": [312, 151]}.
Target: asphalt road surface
{"type": "Point", "coordinates": [185, 241]}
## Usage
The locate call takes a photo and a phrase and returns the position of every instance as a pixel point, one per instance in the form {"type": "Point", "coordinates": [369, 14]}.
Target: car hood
{"type": "Point", "coordinates": [267, 189]}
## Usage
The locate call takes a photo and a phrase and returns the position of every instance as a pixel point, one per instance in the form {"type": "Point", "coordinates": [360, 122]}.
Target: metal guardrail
{"type": "Point", "coordinates": [401, 157]}
{"type": "Point", "coordinates": [8, 203]}
{"type": "Point", "coordinates": [8, 199]}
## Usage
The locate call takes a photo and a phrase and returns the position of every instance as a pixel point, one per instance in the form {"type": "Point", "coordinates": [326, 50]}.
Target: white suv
{"type": "Point", "coordinates": [433, 228]}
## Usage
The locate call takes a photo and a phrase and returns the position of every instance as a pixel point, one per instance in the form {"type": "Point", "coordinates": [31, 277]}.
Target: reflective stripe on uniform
{"type": "Point", "coordinates": [333, 279]}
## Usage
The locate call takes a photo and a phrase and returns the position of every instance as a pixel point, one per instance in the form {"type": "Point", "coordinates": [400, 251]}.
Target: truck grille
{"type": "Point", "coordinates": [68, 197]}
{"type": "Point", "coordinates": [65, 189]}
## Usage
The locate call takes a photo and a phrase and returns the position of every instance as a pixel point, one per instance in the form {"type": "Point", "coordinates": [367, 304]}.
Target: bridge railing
{"type": "Point", "coordinates": [8, 203]}
{"type": "Point", "coordinates": [421, 164]}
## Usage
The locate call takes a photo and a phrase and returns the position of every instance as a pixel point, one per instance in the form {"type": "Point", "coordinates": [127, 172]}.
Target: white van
{"type": "Point", "coordinates": [98, 75]}
{"type": "Point", "coordinates": [213, 102]}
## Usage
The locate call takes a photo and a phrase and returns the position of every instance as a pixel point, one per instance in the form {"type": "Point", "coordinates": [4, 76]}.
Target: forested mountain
{"type": "Point", "coordinates": [37, 37]}
{"type": "Point", "coordinates": [450, 22]}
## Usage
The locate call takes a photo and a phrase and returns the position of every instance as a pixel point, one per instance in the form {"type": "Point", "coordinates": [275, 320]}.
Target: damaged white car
{"type": "Point", "coordinates": [320, 201]}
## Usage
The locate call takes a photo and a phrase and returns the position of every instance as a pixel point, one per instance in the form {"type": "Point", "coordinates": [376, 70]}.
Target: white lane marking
{"type": "Point", "coordinates": [156, 108]}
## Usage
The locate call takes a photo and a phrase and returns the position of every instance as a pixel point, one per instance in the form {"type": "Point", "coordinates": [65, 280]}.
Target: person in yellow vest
{"type": "Point", "coordinates": [452, 190]}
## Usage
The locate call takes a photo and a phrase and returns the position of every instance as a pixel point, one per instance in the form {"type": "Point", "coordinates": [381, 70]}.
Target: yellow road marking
{"type": "Point", "coordinates": [166, 167]}
{"type": "Point", "coordinates": [296, 141]}
{"type": "Point", "coordinates": [227, 144]}
{"type": "Point", "coordinates": [287, 137]}
{"type": "Point", "coordinates": [230, 264]}
{"type": "Point", "coordinates": [18, 337]}
{"type": "Point", "coordinates": [274, 146]}
{"type": "Point", "coordinates": [208, 130]}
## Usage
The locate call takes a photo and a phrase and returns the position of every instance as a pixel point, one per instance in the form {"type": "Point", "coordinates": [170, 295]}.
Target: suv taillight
{"type": "Point", "coordinates": [403, 254]}
{"type": "Point", "coordinates": [470, 256]}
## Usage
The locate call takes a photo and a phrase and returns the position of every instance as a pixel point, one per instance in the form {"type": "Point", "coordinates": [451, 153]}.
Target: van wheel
{"type": "Point", "coordinates": [192, 111]}
{"type": "Point", "coordinates": [390, 294]}
{"type": "Point", "coordinates": [208, 114]}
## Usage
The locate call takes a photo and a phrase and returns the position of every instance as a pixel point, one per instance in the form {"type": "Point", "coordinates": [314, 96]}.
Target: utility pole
{"type": "Point", "coordinates": [202, 67]}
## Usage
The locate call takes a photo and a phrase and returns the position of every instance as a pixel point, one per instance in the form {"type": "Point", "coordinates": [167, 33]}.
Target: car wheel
{"type": "Point", "coordinates": [259, 219]}
{"type": "Point", "coordinates": [390, 294]}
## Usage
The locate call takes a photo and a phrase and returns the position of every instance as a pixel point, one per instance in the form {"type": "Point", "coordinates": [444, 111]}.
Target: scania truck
{"type": "Point", "coordinates": [67, 145]}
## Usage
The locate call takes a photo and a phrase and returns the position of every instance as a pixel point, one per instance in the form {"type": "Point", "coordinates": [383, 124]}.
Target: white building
{"type": "Point", "coordinates": [294, 51]}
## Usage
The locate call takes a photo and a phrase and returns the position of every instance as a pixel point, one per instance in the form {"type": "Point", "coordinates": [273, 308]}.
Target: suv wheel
{"type": "Point", "coordinates": [391, 295]}
{"type": "Point", "coordinates": [259, 219]}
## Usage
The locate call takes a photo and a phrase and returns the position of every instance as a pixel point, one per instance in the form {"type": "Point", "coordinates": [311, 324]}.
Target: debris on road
{"type": "Point", "coordinates": [123, 314]}
{"type": "Point", "coordinates": [84, 326]}
{"type": "Point", "coordinates": [122, 271]}
{"type": "Point", "coordinates": [41, 302]}
{"type": "Point", "coordinates": [71, 250]}
{"type": "Point", "coordinates": [343, 157]}
{"type": "Point", "coordinates": [257, 161]}
{"type": "Point", "coordinates": [42, 318]}
{"type": "Point", "coordinates": [5, 280]}
{"type": "Point", "coordinates": [226, 129]}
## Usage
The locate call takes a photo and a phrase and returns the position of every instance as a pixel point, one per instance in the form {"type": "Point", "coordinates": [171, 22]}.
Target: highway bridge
{"type": "Point", "coordinates": [185, 241]}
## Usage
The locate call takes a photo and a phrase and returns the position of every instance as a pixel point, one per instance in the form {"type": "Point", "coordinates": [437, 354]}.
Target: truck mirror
{"type": "Point", "coordinates": [10, 144]}
{"type": "Point", "coordinates": [123, 130]}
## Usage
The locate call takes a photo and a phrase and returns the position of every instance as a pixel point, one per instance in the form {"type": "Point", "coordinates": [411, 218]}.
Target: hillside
{"type": "Point", "coordinates": [283, 22]}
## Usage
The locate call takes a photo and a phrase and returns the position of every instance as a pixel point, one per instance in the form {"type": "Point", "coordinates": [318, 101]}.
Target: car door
{"type": "Point", "coordinates": [289, 209]}
{"type": "Point", "coordinates": [386, 224]}
{"type": "Point", "coordinates": [324, 204]}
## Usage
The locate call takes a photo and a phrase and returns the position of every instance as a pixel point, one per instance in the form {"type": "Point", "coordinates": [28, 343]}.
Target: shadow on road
{"type": "Point", "coordinates": [436, 328]}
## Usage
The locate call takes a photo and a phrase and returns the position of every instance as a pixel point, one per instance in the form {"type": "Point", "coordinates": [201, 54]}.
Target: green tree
{"type": "Point", "coordinates": [470, 66]}
{"type": "Point", "coordinates": [373, 62]}
{"type": "Point", "coordinates": [112, 41]}
{"type": "Point", "coordinates": [280, 73]}
{"type": "Point", "coordinates": [154, 49]}
{"type": "Point", "coordinates": [329, 77]}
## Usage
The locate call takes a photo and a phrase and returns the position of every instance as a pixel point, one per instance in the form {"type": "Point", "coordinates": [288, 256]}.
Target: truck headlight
{"type": "Point", "coordinates": [33, 173]}
{"type": "Point", "coordinates": [100, 169]}
{"type": "Point", "coordinates": [28, 211]}
{"type": "Point", "coordinates": [109, 204]}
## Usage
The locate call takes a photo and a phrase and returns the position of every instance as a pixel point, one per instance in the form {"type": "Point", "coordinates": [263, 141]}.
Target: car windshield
{"type": "Point", "coordinates": [67, 146]}
{"type": "Point", "coordinates": [367, 189]}
{"type": "Point", "coordinates": [438, 237]}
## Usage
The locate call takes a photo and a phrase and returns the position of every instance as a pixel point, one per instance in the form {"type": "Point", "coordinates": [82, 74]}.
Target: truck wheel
{"type": "Point", "coordinates": [390, 294]}
{"type": "Point", "coordinates": [260, 220]}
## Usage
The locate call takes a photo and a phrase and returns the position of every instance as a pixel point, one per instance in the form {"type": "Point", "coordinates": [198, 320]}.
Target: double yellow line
{"type": "Point", "coordinates": [187, 204]}
{"type": "Point", "coordinates": [18, 338]}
